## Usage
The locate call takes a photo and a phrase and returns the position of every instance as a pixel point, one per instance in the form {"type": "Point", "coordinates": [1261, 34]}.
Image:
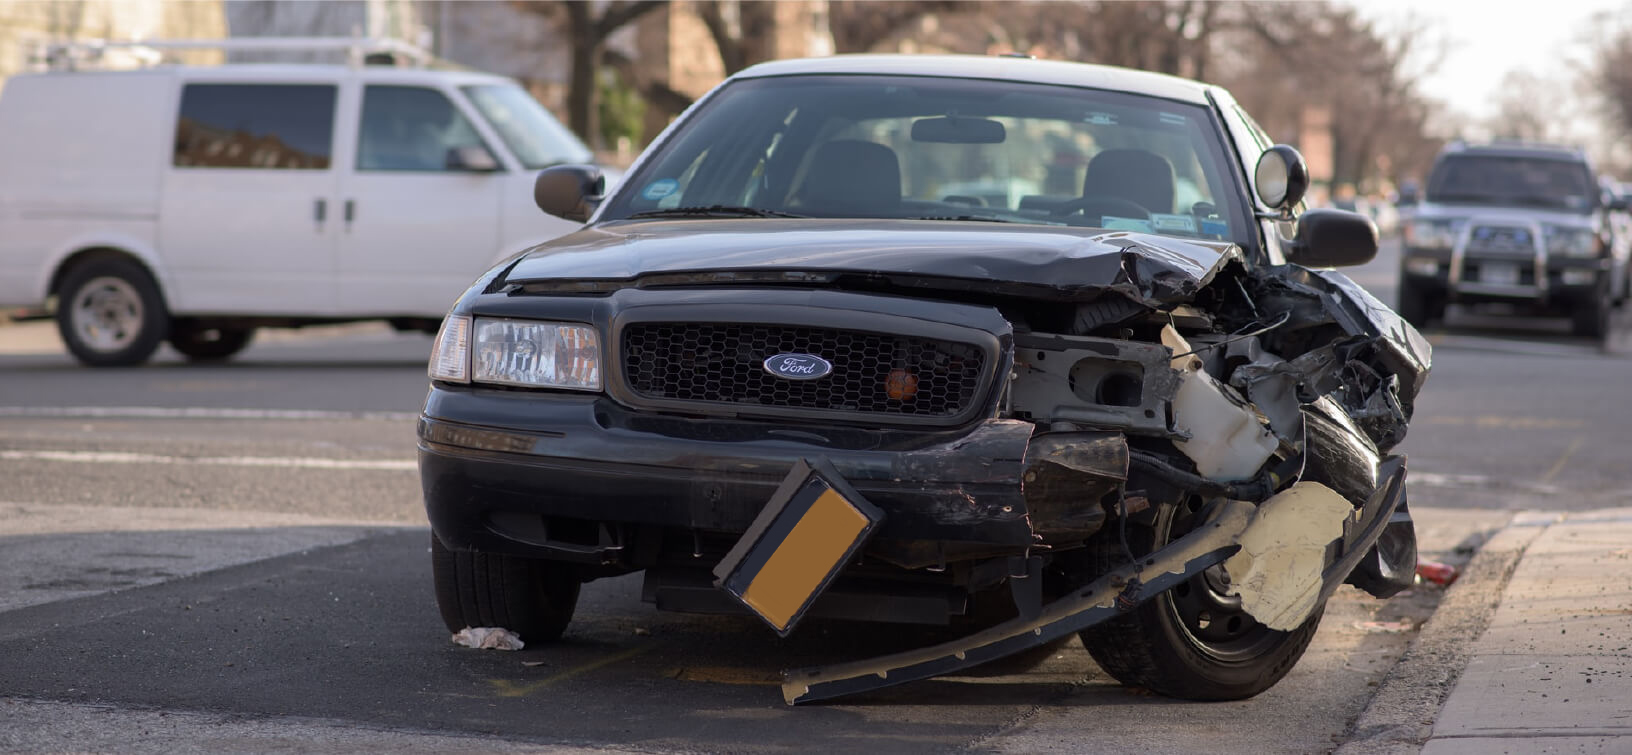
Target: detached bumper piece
{"type": "Point", "coordinates": [803, 537]}
{"type": "Point", "coordinates": [1102, 599]}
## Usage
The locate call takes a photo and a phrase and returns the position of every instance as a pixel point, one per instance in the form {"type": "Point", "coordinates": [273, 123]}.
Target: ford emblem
{"type": "Point", "coordinates": [798, 366]}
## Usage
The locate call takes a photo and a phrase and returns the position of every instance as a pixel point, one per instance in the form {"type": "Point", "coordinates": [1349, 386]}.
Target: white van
{"type": "Point", "coordinates": [195, 204]}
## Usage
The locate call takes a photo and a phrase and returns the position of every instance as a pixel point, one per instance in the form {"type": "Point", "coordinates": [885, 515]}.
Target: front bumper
{"type": "Point", "coordinates": [581, 479]}
{"type": "Point", "coordinates": [1497, 260]}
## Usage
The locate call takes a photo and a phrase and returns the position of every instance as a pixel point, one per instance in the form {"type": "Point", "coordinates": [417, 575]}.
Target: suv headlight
{"type": "Point", "coordinates": [1431, 234]}
{"type": "Point", "coordinates": [532, 353]}
{"type": "Point", "coordinates": [1566, 241]}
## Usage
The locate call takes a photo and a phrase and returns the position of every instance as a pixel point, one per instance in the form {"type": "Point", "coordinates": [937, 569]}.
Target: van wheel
{"type": "Point", "coordinates": [532, 597]}
{"type": "Point", "coordinates": [110, 314]}
{"type": "Point", "coordinates": [209, 344]}
{"type": "Point", "coordinates": [1591, 319]}
{"type": "Point", "coordinates": [1192, 642]}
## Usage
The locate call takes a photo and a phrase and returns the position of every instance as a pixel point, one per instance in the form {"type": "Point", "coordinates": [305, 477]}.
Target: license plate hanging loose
{"type": "Point", "coordinates": [813, 524]}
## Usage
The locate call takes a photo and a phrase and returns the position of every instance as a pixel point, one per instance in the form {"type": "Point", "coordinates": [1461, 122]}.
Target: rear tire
{"type": "Point", "coordinates": [209, 344]}
{"type": "Point", "coordinates": [110, 313]}
{"type": "Point", "coordinates": [531, 597]}
{"type": "Point", "coordinates": [1191, 642]}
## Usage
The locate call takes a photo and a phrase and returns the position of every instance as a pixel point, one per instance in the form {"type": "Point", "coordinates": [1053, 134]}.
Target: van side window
{"type": "Point", "coordinates": [412, 128]}
{"type": "Point", "coordinates": [267, 126]}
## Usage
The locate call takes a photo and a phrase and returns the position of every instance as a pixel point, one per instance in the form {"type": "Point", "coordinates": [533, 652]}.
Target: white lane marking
{"type": "Point", "coordinates": [1431, 479]}
{"type": "Point", "coordinates": [279, 462]}
{"type": "Point", "coordinates": [160, 412]}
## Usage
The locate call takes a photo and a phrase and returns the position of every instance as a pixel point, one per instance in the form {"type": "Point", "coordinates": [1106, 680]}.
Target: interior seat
{"type": "Point", "coordinates": [852, 177]}
{"type": "Point", "coordinates": [1137, 175]}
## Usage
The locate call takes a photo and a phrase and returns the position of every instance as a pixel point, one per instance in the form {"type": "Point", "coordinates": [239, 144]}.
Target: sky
{"type": "Point", "coordinates": [1484, 39]}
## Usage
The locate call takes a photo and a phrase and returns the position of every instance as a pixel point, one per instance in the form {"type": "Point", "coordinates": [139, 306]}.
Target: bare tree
{"type": "Point", "coordinates": [863, 25]}
{"type": "Point", "coordinates": [1610, 72]}
{"type": "Point", "coordinates": [744, 31]}
{"type": "Point", "coordinates": [587, 27]}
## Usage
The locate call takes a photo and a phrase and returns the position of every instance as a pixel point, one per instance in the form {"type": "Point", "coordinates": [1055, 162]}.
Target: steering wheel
{"type": "Point", "coordinates": [1099, 205]}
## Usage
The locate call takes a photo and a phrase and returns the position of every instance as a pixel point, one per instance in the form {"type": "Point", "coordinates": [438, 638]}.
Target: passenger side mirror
{"type": "Point", "coordinates": [1619, 203]}
{"type": "Point", "coordinates": [1333, 238]}
{"type": "Point", "coordinates": [571, 192]}
{"type": "Point", "coordinates": [471, 158]}
{"type": "Point", "coordinates": [1281, 178]}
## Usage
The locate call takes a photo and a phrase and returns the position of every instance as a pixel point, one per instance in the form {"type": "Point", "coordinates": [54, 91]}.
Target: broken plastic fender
{"type": "Point", "coordinates": [1227, 440]}
{"type": "Point", "coordinates": [1277, 572]}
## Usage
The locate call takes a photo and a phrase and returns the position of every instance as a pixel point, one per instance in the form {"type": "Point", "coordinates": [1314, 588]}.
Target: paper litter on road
{"type": "Point", "coordinates": [488, 638]}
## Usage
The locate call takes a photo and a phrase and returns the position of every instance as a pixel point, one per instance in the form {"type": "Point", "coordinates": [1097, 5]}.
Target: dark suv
{"type": "Point", "coordinates": [931, 340]}
{"type": "Point", "coordinates": [1521, 225]}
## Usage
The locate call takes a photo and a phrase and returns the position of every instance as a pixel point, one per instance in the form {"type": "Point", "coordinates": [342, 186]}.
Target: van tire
{"type": "Point", "coordinates": [209, 344]}
{"type": "Point", "coordinates": [110, 313]}
{"type": "Point", "coordinates": [532, 597]}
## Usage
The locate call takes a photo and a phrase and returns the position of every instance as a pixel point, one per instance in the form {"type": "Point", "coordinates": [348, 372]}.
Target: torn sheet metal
{"type": "Point", "coordinates": [1277, 572]}
{"type": "Point", "coordinates": [1067, 475]}
{"type": "Point", "coordinates": [797, 545]}
{"type": "Point", "coordinates": [1110, 595]}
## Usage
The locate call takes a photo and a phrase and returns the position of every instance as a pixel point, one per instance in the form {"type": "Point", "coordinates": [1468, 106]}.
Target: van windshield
{"type": "Point", "coordinates": [535, 137]}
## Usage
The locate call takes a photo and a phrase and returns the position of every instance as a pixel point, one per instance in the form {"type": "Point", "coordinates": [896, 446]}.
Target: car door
{"type": "Point", "coordinates": [420, 204]}
{"type": "Point", "coordinates": [246, 215]}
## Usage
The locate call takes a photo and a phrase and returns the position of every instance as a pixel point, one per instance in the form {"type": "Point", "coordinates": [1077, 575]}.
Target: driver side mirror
{"type": "Point", "coordinates": [1333, 238]}
{"type": "Point", "coordinates": [570, 192]}
{"type": "Point", "coordinates": [1281, 178]}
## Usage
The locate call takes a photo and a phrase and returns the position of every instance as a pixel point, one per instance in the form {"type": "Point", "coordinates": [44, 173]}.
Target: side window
{"type": "Point", "coordinates": [412, 129]}
{"type": "Point", "coordinates": [265, 126]}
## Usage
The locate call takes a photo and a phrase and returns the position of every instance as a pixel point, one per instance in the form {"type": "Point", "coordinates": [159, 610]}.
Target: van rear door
{"type": "Point", "coordinates": [248, 220]}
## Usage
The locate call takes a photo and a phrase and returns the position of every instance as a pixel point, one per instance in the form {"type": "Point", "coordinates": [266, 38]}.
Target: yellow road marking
{"type": "Point", "coordinates": [1558, 466]}
{"type": "Point", "coordinates": [510, 688]}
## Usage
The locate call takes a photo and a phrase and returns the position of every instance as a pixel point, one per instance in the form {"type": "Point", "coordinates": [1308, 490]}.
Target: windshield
{"type": "Point", "coordinates": [535, 137]}
{"type": "Point", "coordinates": [949, 149]}
{"type": "Point", "coordinates": [1511, 180]}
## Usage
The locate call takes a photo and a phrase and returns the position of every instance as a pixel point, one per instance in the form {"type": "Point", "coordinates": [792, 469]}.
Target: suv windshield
{"type": "Point", "coordinates": [943, 149]}
{"type": "Point", "coordinates": [534, 137]}
{"type": "Point", "coordinates": [1512, 180]}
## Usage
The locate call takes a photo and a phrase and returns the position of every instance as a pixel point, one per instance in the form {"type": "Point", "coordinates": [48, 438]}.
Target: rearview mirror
{"type": "Point", "coordinates": [471, 158]}
{"type": "Point", "coordinates": [957, 130]}
{"type": "Point", "coordinates": [570, 192]}
{"type": "Point", "coordinates": [1333, 238]}
{"type": "Point", "coordinates": [1281, 178]}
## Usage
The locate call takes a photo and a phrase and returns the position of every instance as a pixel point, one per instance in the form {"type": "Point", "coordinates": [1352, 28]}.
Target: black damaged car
{"type": "Point", "coordinates": [1037, 348]}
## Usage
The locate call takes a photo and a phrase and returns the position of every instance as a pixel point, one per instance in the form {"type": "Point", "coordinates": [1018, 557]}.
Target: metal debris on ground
{"type": "Point", "coordinates": [488, 638]}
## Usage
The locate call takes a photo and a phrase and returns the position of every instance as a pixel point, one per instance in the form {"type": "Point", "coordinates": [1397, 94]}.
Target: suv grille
{"type": "Point", "coordinates": [723, 364]}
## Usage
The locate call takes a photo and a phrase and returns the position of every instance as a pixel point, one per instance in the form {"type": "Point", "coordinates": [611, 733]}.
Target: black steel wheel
{"type": "Point", "coordinates": [1417, 306]}
{"type": "Point", "coordinates": [1193, 641]}
{"type": "Point", "coordinates": [209, 344]}
{"type": "Point", "coordinates": [531, 597]}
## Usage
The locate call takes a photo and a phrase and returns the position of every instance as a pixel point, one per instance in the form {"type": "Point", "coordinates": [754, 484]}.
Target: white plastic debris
{"type": "Point", "coordinates": [1227, 439]}
{"type": "Point", "coordinates": [1277, 570]}
{"type": "Point", "coordinates": [488, 638]}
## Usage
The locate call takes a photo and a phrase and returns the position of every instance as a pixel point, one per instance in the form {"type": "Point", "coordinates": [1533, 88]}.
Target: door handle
{"type": "Point", "coordinates": [320, 211]}
{"type": "Point", "coordinates": [350, 212]}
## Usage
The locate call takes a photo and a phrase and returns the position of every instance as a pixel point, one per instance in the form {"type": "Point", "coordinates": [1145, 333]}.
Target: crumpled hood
{"type": "Point", "coordinates": [1050, 262]}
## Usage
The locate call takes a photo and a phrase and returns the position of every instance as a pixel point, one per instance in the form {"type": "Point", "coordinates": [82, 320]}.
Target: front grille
{"type": "Point", "coordinates": [1502, 240]}
{"type": "Point", "coordinates": [721, 363]}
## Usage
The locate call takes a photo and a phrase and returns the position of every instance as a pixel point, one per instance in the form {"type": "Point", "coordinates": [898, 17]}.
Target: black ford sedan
{"type": "Point", "coordinates": [1030, 347]}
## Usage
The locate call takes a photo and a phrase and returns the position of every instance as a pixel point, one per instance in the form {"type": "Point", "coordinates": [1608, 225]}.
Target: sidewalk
{"type": "Point", "coordinates": [1545, 655]}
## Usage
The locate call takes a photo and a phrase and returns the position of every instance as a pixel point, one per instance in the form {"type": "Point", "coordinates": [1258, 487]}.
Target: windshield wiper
{"type": "Point", "coordinates": [714, 211]}
{"type": "Point", "coordinates": [984, 218]}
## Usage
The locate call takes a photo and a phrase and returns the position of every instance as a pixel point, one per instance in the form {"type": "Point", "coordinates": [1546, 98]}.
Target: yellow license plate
{"type": "Point", "coordinates": [811, 527]}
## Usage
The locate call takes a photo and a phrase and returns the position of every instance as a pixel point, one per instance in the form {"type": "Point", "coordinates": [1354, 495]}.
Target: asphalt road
{"type": "Point", "coordinates": [233, 557]}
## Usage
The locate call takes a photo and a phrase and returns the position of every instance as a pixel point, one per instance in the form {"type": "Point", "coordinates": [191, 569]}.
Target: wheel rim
{"type": "Point", "coordinates": [1212, 621]}
{"type": "Point", "coordinates": [106, 314]}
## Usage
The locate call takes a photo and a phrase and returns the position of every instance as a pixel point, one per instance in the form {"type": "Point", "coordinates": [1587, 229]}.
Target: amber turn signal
{"type": "Point", "coordinates": [901, 385]}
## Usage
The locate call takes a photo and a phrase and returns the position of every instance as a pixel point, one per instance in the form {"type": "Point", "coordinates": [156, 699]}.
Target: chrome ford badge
{"type": "Point", "coordinates": [798, 366]}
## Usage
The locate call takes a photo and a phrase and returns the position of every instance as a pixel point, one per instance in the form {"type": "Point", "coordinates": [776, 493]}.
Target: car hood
{"type": "Point", "coordinates": [1051, 262]}
{"type": "Point", "coordinates": [1501, 213]}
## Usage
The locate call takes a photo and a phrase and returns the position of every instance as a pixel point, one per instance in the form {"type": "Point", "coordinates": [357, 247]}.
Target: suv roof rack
{"type": "Point", "coordinates": [69, 56]}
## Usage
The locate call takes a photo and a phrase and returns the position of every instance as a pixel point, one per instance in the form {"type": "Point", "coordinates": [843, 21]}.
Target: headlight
{"type": "Point", "coordinates": [538, 354]}
{"type": "Point", "coordinates": [1570, 242]}
{"type": "Point", "coordinates": [1431, 234]}
{"type": "Point", "coordinates": [450, 357]}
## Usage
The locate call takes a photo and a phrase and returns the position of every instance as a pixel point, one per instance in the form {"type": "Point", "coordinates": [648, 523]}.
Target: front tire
{"type": "Point", "coordinates": [209, 344]}
{"type": "Point", "coordinates": [1192, 642]}
{"type": "Point", "coordinates": [1417, 306]}
{"type": "Point", "coordinates": [110, 313]}
{"type": "Point", "coordinates": [531, 597]}
{"type": "Point", "coordinates": [1591, 319]}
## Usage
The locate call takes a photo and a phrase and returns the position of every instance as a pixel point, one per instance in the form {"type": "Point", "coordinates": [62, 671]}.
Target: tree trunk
{"type": "Point", "coordinates": [586, 48]}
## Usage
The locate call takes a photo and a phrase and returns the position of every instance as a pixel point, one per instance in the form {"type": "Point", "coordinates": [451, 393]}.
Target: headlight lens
{"type": "Point", "coordinates": [1431, 234]}
{"type": "Point", "coordinates": [1570, 242]}
{"type": "Point", "coordinates": [450, 357]}
{"type": "Point", "coordinates": [537, 354]}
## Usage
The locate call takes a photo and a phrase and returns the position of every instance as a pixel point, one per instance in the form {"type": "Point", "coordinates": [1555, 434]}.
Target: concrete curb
{"type": "Point", "coordinates": [1400, 717]}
